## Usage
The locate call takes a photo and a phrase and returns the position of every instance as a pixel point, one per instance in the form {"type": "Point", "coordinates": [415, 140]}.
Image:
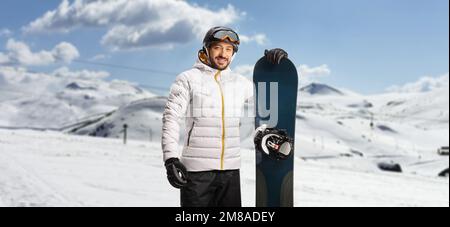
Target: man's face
{"type": "Point", "coordinates": [220, 54]}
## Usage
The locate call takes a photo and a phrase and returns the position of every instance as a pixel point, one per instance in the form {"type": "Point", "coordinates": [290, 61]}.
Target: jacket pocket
{"type": "Point", "coordinates": [189, 134]}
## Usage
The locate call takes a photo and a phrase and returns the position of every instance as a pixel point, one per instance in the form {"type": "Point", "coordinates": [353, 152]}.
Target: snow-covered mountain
{"type": "Point", "coordinates": [334, 126]}
{"type": "Point", "coordinates": [38, 100]}
{"type": "Point", "coordinates": [319, 89]}
{"type": "Point", "coordinates": [361, 132]}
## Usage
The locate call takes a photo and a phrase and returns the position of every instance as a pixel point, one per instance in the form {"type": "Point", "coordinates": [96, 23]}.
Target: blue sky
{"type": "Point", "coordinates": [367, 45]}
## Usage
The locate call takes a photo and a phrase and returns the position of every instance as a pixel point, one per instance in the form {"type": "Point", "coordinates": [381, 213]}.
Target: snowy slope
{"type": "Point", "coordinates": [407, 129]}
{"type": "Point", "coordinates": [54, 169]}
{"type": "Point", "coordinates": [143, 118]}
{"type": "Point", "coordinates": [426, 110]}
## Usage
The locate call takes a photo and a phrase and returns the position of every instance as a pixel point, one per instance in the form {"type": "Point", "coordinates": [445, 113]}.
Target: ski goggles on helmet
{"type": "Point", "coordinates": [224, 35]}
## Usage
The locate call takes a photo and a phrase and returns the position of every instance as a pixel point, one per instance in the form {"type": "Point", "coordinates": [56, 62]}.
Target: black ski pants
{"type": "Point", "coordinates": [212, 189]}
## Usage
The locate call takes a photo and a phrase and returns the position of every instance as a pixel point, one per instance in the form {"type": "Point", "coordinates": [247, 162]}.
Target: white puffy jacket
{"type": "Point", "coordinates": [211, 101]}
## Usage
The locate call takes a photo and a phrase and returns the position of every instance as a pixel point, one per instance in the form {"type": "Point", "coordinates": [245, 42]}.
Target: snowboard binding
{"type": "Point", "coordinates": [274, 143]}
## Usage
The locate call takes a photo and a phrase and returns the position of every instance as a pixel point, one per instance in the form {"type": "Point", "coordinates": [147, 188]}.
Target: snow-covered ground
{"type": "Point", "coordinates": [53, 169]}
{"type": "Point", "coordinates": [56, 169]}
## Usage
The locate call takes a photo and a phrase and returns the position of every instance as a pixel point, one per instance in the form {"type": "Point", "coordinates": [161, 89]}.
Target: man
{"type": "Point", "coordinates": [210, 97]}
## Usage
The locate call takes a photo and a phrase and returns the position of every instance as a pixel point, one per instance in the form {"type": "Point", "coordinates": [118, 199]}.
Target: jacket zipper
{"type": "Point", "coordinates": [189, 134]}
{"type": "Point", "coordinates": [223, 120]}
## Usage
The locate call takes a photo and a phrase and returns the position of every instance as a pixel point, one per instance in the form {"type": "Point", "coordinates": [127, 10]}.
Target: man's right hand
{"type": "Point", "coordinates": [176, 173]}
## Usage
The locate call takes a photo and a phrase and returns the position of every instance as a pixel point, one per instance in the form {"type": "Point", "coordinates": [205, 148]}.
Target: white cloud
{"type": "Point", "coordinates": [322, 70]}
{"type": "Point", "coordinates": [260, 39]}
{"type": "Point", "coordinates": [424, 84]}
{"type": "Point", "coordinates": [3, 81]}
{"type": "Point", "coordinates": [312, 74]}
{"type": "Point", "coordinates": [4, 59]}
{"type": "Point", "coordinates": [245, 70]}
{"type": "Point", "coordinates": [65, 52]}
{"type": "Point", "coordinates": [65, 72]}
{"type": "Point", "coordinates": [138, 23]}
{"type": "Point", "coordinates": [23, 80]}
{"type": "Point", "coordinates": [99, 57]}
{"type": "Point", "coordinates": [5, 32]}
{"type": "Point", "coordinates": [307, 74]}
{"type": "Point", "coordinates": [19, 53]}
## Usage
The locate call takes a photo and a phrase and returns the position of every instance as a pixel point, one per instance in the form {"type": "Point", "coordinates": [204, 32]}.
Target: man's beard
{"type": "Point", "coordinates": [216, 66]}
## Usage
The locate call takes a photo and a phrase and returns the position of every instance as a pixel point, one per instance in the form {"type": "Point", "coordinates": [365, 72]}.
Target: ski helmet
{"type": "Point", "coordinates": [275, 143]}
{"type": "Point", "coordinates": [223, 34]}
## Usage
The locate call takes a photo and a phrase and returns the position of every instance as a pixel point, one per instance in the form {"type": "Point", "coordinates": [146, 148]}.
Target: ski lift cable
{"type": "Point", "coordinates": [118, 66]}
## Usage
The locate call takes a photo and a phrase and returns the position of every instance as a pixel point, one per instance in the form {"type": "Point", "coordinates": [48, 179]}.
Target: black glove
{"type": "Point", "coordinates": [176, 173]}
{"type": "Point", "coordinates": [275, 55]}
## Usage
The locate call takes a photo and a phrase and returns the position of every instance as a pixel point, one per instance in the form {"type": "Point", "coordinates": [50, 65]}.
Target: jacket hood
{"type": "Point", "coordinates": [206, 68]}
{"type": "Point", "coordinates": [203, 67]}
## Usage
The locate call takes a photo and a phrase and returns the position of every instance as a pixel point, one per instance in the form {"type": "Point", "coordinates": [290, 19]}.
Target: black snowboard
{"type": "Point", "coordinates": [278, 84]}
